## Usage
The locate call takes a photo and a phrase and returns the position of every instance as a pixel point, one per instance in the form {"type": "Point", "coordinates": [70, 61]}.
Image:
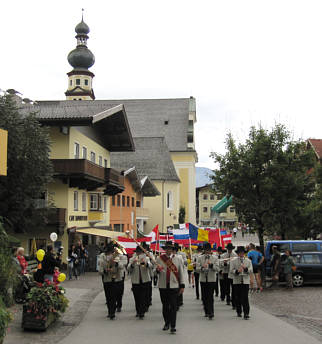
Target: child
{"type": "Point", "coordinates": [56, 274]}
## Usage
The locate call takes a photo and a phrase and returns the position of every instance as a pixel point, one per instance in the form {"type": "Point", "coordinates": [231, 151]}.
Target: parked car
{"type": "Point", "coordinates": [308, 268]}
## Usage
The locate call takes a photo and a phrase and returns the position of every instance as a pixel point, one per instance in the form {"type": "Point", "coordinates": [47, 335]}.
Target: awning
{"type": "Point", "coordinates": [100, 232]}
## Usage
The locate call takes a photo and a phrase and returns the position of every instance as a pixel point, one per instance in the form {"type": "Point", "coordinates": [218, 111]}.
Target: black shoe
{"type": "Point", "coordinates": [141, 316]}
{"type": "Point", "coordinates": [216, 295]}
{"type": "Point", "coordinates": [119, 309]}
{"type": "Point", "coordinates": [173, 330]}
{"type": "Point", "coordinates": [234, 308]}
{"type": "Point", "coordinates": [112, 316]}
{"type": "Point", "coordinates": [206, 315]}
{"type": "Point", "coordinates": [246, 317]}
{"type": "Point", "coordinates": [228, 303]}
{"type": "Point", "coordinates": [137, 315]}
{"type": "Point", "coordinates": [222, 300]}
{"type": "Point", "coordinates": [197, 298]}
{"type": "Point", "coordinates": [239, 315]}
{"type": "Point", "coordinates": [165, 327]}
{"type": "Point", "coordinates": [211, 316]}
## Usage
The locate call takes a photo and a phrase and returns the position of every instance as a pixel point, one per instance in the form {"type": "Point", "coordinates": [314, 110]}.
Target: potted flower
{"type": "Point", "coordinates": [5, 318]}
{"type": "Point", "coordinates": [44, 304]}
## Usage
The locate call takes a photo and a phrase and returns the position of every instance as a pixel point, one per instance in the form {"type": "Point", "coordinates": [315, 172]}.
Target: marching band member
{"type": "Point", "coordinates": [195, 257]}
{"type": "Point", "coordinates": [119, 303]}
{"type": "Point", "coordinates": [184, 260]}
{"type": "Point", "coordinates": [228, 282]}
{"type": "Point", "coordinates": [220, 274]}
{"type": "Point", "coordinates": [240, 269]}
{"type": "Point", "coordinates": [111, 268]}
{"type": "Point", "coordinates": [171, 283]}
{"type": "Point", "coordinates": [208, 265]}
{"type": "Point", "coordinates": [139, 267]}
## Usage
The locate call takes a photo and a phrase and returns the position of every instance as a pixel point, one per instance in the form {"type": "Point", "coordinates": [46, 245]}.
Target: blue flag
{"type": "Point", "coordinates": [193, 231]}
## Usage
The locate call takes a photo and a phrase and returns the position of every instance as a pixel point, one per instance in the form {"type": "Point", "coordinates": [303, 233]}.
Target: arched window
{"type": "Point", "coordinates": [169, 200]}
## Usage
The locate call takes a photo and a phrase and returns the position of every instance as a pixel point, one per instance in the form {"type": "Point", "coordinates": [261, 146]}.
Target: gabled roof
{"type": "Point", "coordinates": [148, 188]}
{"type": "Point", "coordinates": [151, 158]}
{"type": "Point", "coordinates": [110, 124]}
{"type": "Point", "coordinates": [316, 144]}
{"type": "Point", "coordinates": [147, 117]}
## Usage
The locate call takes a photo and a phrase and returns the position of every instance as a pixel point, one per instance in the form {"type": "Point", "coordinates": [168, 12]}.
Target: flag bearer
{"type": "Point", "coordinates": [171, 283]}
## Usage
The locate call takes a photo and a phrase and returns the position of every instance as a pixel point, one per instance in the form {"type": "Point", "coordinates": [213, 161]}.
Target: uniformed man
{"type": "Point", "coordinates": [171, 283]}
{"type": "Point", "coordinates": [220, 276]}
{"type": "Point", "coordinates": [119, 303]}
{"type": "Point", "coordinates": [111, 268]}
{"type": "Point", "coordinates": [195, 257]}
{"type": "Point", "coordinates": [240, 269]}
{"type": "Point", "coordinates": [228, 282]}
{"type": "Point", "coordinates": [208, 265]}
{"type": "Point", "coordinates": [139, 266]}
{"type": "Point", "coordinates": [183, 257]}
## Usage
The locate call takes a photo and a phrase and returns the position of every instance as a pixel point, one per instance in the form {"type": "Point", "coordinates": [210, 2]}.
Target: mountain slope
{"type": "Point", "coordinates": [203, 176]}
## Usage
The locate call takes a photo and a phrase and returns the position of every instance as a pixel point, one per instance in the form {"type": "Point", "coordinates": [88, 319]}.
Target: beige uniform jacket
{"type": "Point", "coordinates": [162, 283]}
{"type": "Point", "coordinates": [227, 257]}
{"type": "Point", "coordinates": [208, 274]}
{"type": "Point", "coordinates": [243, 277]}
{"type": "Point", "coordinates": [116, 274]}
{"type": "Point", "coordinates": [139, 266]}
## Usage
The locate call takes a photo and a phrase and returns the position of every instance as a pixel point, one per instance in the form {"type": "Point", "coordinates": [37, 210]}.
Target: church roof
{"type": "Point", "coordinates": [151, 158]}
{"type": "Point", "coordinates": [147, 117]}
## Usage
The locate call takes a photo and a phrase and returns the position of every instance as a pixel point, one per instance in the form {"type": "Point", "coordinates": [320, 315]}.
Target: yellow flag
{"type": "Point", "coordinates": [202, 235]}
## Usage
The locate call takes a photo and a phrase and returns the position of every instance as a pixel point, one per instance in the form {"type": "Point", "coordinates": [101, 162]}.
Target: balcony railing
{"type": "Point", "coordinates": [84, 174]}
{"type": "Point", "coordinates": [142, 212]}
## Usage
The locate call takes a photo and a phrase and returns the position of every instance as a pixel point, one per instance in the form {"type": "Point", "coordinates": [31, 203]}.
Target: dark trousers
{"type": "Point", "coordinates": [179, 300]}
{"type": "Point", "coordinates": [229, 292]}
{"type": "Point", "coordinates": [150, 294]}
{"type": "Point", "coordinates": [222, 289]}
{"type": "Point", "coordinates": [242, 304]}
{"type": "Point", "coordinates": [120, 295]}
{"type": "Point", "coordinates": [207, 290]}
{"type": "Point", "coordinates": [141, 295]}
{"type": "Point", "coordinates": [155, 279]}
{"type": "Point", "coordinates": [216, 285]}
{"type": "Point", "coordinates": [169, 305]}
{"type": "Point", "coordinates": [197, 283]}
{"type": "Point", "coordinates": [112, 292]}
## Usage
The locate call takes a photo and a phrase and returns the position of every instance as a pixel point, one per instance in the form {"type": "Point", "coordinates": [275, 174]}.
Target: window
{"type": "Point", "coordinates": [93, 157]}
{"type": "Point", "coordinates": [118, 227]}
{"type": "Point", "coordinates": [70, 82]}
{"type": "Point", "coordinates": [132, 218]}
{"type": "Point", "coordinates": [138, 204]}
{"type": "Point", "coordinates": [127, 201]}
{"type": "Point", "coordinates": [105, 204]}
{"type": "Point", "coordinates": [132, 201]}
{"type": "Point", "coordinates": [169, 200]}
{"type": "Point", "coordinates": [86, 82]}
{"type": "Point", "coordinates": [77, 82]}
{"type": "Point", "coordinates": [84, 201]}
{"type": "Point", "coordinates": [113, 200]}
{"type": "Point", "coordinates": [123, 201]}
{"type": "Point", "coordinates": [76, 150]}
{"type": "Point", "coordinates": [205, 196]}
{"type": "Point", "coordinates": [310, 259]}
{"type": "Point", "coordinates": [304, 247]}
{"type": "Point", "coordinates": [84, 155]}
{"type": "Point", "coordinates": [75, 200]}
{"type": "Point", "coordinates": [232, 209]}
{"type": "Point", "coordinates": [100, 161]}
{"type": "Point", "coordinates": [205, 209]}
{"type": "Point", "coordinates": [105, 163]}
{"type": "Point", "coordinates": [118, 200]}
{"type": "Point", "coordinates": [93, 202]}
{"type": "Point", "coordinates": [212, 197]}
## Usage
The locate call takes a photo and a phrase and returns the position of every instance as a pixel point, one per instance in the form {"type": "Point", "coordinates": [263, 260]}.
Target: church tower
{"type": "Point", "coordinates": [80, 79]}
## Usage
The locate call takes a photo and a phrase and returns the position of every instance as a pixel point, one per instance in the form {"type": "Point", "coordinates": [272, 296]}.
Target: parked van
{"type": "Point", "coordinates": [293, 245]}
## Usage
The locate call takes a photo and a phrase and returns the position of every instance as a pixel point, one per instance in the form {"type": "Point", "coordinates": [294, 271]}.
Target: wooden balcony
{"type": "Point", "coordinates": [84, 174]}
{"type": "Point", "coordinates": [142, 213]}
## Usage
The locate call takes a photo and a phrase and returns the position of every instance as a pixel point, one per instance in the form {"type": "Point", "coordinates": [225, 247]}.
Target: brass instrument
{"type": "Point", "coordinates": [111, 266]}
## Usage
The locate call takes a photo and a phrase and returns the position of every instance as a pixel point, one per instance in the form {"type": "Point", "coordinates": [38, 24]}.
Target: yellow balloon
{"type": "Point", "coordinates": [40, 255]}
{"type": "Point", "coordinates": [61, 277]}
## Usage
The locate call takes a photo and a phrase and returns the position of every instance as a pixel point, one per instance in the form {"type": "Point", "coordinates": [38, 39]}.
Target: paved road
{"type": "Point", "coordinates": [192, 327]}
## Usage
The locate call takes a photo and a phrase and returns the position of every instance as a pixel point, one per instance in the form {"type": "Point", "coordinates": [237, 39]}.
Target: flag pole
{"type": "Point", "coordinates": [220, 238]}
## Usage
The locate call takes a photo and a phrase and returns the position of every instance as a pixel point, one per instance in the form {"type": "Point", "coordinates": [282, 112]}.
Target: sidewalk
{"type": "Point", "coordinates": [80, 293]}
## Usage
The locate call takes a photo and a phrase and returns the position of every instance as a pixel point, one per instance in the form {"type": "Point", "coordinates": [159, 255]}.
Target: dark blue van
{"type": "Point", "coordinates": [293, 245]}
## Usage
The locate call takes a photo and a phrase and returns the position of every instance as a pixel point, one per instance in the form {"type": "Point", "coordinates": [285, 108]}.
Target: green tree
{"type": "Point", "coordinates": [267, 177]}
{"type": "Point", "coordinates": [29, 167]}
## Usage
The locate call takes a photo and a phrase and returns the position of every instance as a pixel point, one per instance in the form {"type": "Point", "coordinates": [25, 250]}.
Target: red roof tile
{"type": "Point", "coordinates": [317, 146]}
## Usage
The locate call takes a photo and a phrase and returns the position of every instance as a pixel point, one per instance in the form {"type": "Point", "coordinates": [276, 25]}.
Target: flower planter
{"type": "Point", "coordinates": [31, 322]}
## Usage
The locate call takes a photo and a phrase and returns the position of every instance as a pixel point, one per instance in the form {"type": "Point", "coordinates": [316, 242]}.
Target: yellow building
{"type": "Point", "coordinates": [207, 199]}
{"type": "Point", "coordinates": [3, 152]}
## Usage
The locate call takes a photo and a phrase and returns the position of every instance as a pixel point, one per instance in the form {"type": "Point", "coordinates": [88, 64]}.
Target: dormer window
{"type": "Point", "coordinates": [77, 82]}
{"type": "Point", "coordinates": [86, 82]}
{"type": "Point", "coordinates": [70, 82]}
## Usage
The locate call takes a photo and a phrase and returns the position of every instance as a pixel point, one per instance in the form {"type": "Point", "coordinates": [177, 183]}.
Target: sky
{"type": "Point", "coordinates": [246, 62]}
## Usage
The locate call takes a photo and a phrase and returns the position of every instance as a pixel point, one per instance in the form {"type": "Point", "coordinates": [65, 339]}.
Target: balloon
{"type": "Point", "coordinates": [40, 255]}
{"type": "Point", "coordinates": [53, 236]}
{"type": "Point", "coordinates": [61, 277]}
